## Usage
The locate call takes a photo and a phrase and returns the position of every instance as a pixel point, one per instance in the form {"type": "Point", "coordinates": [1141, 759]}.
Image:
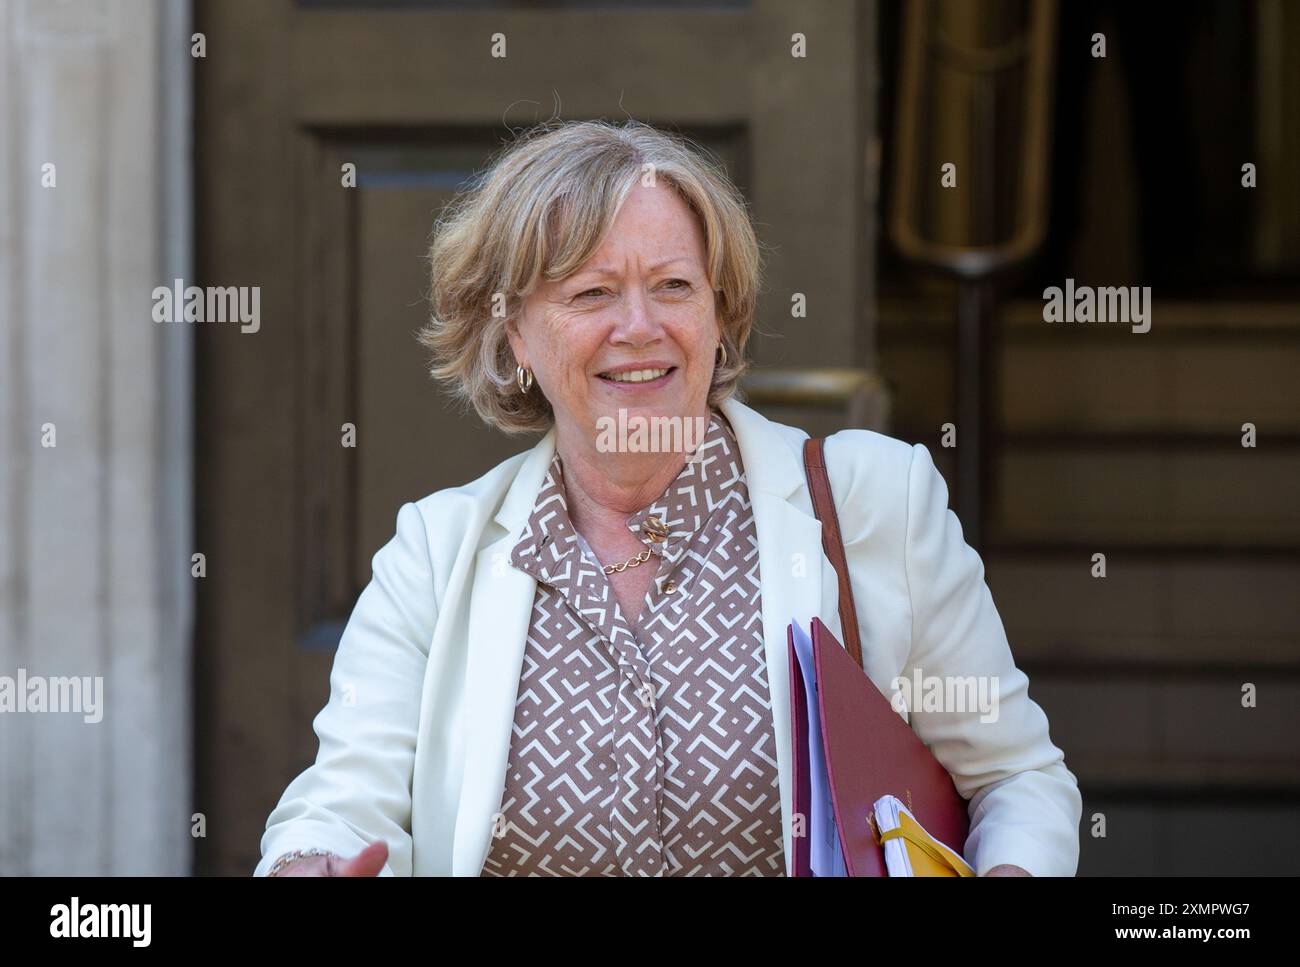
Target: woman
{"type": "Point", "coordinates": [576, 664]}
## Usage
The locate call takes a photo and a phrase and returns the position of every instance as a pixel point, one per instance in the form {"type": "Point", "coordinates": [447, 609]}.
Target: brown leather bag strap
{"type": "Point", "coordinates": [819, 485]}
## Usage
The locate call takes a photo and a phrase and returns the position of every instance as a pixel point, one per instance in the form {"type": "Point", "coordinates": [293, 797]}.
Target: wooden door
{"type": "Point", "coordinates": [287, 95]}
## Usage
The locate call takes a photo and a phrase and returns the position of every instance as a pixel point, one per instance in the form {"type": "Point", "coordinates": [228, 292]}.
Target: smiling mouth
{"type": "Point", "coordinates": [637, 375]}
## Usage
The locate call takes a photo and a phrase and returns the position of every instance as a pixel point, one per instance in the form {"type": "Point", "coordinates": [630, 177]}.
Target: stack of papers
{"type": "Point", "coordinates": [825, 855]}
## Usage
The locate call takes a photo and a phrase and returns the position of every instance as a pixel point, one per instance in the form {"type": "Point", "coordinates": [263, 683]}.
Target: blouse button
{"type": "Point", "coordinates": [669, 587]}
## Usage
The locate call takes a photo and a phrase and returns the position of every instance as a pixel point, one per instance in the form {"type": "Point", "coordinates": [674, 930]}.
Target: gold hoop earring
{"type": "Point", "coordinates": [524, 377]}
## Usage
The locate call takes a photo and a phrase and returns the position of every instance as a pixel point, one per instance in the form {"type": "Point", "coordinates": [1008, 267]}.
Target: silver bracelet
{"type": "Point", "coordinates": [293, 855]}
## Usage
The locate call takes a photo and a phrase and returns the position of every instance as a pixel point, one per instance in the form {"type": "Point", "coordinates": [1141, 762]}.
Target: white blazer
{"type": "Point", "coordinates": [415, 736]}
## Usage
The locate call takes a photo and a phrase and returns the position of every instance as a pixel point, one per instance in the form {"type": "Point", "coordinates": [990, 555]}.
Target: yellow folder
{"type": "Point", "coordinates": [909, 849]}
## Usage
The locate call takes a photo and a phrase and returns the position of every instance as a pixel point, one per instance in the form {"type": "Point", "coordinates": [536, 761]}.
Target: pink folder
{"type": "Point", "coordinates": [870, 752]}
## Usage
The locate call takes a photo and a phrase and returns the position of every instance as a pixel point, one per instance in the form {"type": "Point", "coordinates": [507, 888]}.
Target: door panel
{"type": "Point", "coordinates": [409, 93]}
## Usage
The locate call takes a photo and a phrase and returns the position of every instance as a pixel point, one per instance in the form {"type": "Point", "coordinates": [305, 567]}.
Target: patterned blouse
{"type": "Point", "coordinates": [645, 748]}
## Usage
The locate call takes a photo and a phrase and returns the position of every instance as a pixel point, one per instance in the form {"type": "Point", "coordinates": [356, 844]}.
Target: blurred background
{"type": "Point", "coordinates": [1115, 144]}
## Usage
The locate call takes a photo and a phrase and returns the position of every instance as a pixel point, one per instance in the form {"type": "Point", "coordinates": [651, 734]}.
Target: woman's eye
{"type": "Point", "coordinates": [675, 284]}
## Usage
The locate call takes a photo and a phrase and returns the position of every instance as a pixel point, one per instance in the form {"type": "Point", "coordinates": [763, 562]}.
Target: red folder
{"type": "Point", "coordinates": [870, 752]}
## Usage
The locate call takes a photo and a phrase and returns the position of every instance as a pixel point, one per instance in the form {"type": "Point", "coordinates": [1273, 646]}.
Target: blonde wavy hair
{"type": "Point", "coordinates": [541, 209]}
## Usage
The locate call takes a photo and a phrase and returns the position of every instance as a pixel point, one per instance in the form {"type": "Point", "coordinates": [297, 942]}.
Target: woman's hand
{"type": "Point", "coordinates": [1007, 869]}
{"type": "Point", "coordinates": [366, 863]}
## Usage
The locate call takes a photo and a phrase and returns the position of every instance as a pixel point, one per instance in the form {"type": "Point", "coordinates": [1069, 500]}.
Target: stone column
{"type": "Point", "coordinates": [95, 506]}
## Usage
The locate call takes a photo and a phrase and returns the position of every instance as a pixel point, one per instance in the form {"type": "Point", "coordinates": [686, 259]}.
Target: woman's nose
{"type": "Point", "coordinates": [636, 320]}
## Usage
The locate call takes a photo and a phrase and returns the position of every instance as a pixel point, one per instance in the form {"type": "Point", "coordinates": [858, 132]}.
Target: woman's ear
{"type": "Point", "coordinates": [512, 335]}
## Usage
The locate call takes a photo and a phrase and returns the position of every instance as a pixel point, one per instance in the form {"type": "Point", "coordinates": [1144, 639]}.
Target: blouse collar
{"type": "Point", "coordinates": [667, 524]}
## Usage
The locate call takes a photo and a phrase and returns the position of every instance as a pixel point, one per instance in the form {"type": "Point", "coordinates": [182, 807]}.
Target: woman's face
{"type": "Point", "coordinates": [640, 309]}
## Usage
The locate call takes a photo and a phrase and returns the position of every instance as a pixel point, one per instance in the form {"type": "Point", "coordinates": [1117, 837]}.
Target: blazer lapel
{"type": "Point", "coordinates": [797, 581]}
{"type": "Point", "coordinates": [501, 605]}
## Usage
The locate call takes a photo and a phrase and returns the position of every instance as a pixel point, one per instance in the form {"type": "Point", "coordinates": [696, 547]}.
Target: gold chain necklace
{"type": "Point", "coordinates": [630, 562]}
{"type": "Point", "coordinates": [657, 530]}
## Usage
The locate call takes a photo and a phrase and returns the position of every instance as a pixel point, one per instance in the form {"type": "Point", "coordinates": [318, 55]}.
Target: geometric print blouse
{"type": "Point", "coordinates": [645, 748]}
